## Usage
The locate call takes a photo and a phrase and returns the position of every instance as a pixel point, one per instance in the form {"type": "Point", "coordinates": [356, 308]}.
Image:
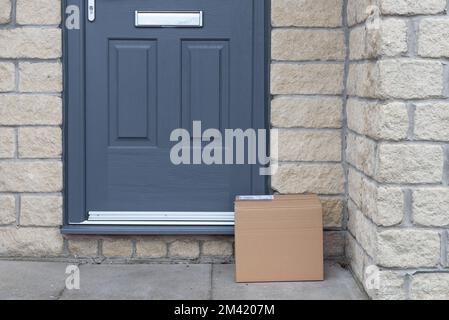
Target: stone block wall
{"type": "Point", "coordinates": [397, 147]}
{"type": "Point", "coordinates": [30, 128]}
{"type": "Point", "coordinates": [308, 53]}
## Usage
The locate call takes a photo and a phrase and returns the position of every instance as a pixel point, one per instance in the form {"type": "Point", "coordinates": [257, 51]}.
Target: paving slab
{"type": "Point", "coordinates": [46, 280]}
{"type": "Point", "coordinates": [338, 285]}
{"type": "Point", "coordinates": [25, 280]}
{"type": "Point", "coordinates": [143, 281]}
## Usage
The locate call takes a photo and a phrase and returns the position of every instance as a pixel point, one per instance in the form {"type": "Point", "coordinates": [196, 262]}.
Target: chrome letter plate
{"type": "Point", "coordinates": [180, 19]}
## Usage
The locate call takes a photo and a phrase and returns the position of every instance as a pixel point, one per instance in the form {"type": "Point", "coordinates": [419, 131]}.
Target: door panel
{"type": "Point", "coordinates": [132, 92]}
{"type": "Point", "coordinates": [142, 83]}
{"type": "Point", "coordinates": [205, 83]}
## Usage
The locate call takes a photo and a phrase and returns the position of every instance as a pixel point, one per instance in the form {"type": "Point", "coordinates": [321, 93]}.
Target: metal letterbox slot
{"type": "Point", "coordinates": [175, 19]}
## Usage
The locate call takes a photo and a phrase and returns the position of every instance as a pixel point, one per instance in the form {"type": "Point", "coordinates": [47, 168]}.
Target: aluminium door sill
{"type": "Point", "coordinates": [160, 218]}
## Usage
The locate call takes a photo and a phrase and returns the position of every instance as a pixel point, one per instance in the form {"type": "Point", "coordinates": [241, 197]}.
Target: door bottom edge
{"type": "Point", "coordinates": [86, 229]}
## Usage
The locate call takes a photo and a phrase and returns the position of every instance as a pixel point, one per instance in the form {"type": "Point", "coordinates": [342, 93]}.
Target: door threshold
{"type": "Point", "coordinates": [156, 223]}
{"type": "Point", "coordinates": [160, 218]}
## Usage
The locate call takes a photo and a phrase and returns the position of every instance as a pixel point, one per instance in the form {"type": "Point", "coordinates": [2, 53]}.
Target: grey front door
{"type": "Point", "coordinates": [143, 82]}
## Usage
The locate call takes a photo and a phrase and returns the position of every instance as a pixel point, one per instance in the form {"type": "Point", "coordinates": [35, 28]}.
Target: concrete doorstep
{"type": "Point", "coordinates": [49, 280]}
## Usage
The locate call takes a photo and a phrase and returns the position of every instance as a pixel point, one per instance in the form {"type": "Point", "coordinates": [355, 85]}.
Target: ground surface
{"type": "Point", "coordinates": [46, 280]}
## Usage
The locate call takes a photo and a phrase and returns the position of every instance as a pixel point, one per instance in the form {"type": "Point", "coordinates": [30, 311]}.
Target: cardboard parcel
{"type": "Point", "coordinates": [278, 238]}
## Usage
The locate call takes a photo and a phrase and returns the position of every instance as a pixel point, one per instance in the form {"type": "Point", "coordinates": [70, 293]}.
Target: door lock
{"type": "Point", "coordinates": [91, 10]}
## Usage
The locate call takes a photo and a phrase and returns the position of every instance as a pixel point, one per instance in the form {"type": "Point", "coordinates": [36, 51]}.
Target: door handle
{"type": "Point", "coordinates": [176, 19]}
{"type": "Point", "coordinates": [91, 10]}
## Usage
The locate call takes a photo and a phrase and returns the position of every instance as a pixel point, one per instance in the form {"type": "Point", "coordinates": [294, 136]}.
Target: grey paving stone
{"type": "Point", "coordinates": [46, 280]}
{"type": "Point", "coordinates": [338, 285]}
{"type": "Point", "coordinates": [31, 280]}
{"type": "Point", "coordinates": [145, 281]}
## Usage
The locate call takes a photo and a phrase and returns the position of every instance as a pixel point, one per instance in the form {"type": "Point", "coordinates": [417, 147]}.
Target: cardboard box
{"type": "Point", "coordinates": [279, 238]}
